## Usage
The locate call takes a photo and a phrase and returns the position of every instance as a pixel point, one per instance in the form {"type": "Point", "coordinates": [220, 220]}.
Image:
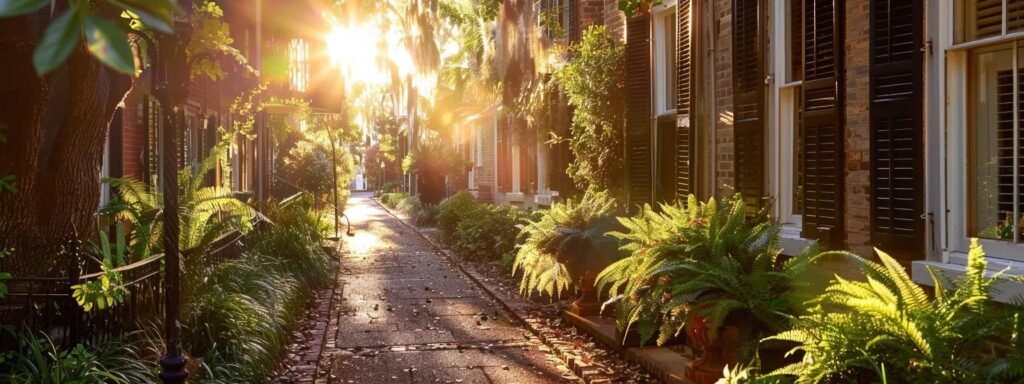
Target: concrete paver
{"type": "Point", "coordinates": [405, 315]}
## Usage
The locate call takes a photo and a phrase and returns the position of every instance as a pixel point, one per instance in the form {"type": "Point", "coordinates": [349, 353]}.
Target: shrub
{"type": "Point", "coordinates": [239, 316]}
{"type": "Point", "coordinates": [594, 81]}
{"type": "Point", "coordinates": [426, 216]}
{"type": "Point", "coordinates": [488, 232]}
{"type": "Point", "coordinates": [888, 329]}
{"type": "Point", "coordinates": [640, 283]}
{"type": "Point", "coordinates": [409, 205]}
{"type": "Point", "coordinates": [451, 211]}
{"type": "Point", "coordinates": [391, 200]}
{"type": "Point", "coordinates": [542, 257]}
{"type": "Point", "coordinates": [38, 360]}
{"type": "Point", "coordinates": [309, 167]}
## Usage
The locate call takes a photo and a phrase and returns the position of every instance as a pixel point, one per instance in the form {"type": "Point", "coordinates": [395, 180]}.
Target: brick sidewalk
{"type": "Point", "coordinates": [403, 314]}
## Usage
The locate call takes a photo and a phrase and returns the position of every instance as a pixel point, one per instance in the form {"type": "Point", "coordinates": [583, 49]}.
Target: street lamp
{"type": "Point", "coordinates": [171, 90]}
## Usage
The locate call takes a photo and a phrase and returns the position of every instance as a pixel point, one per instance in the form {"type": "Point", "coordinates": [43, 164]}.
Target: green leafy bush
{"type": "Point", "coordinates": [488, 232]}
{"type": "Point", "coordinates": [594, 81]}
{"type": "Point", "coordinates": [391, 200]}
{"type": "Point", "coordinates": [542, 258]}
{"type": "Point", "coordinates": [425, 216]}
{"type": "Point", "coordinates": [38, 360]}
{"type": "Point", "coordinates": [662, 243]}
{"type": "Point", "coordinates": [239, 315]}
{"type": "Point", "coordinates": [888, 329]}
{"type": "Point", "coordinates": [451, 211]}
{"type": "Point", "coordinates": [309, 166]}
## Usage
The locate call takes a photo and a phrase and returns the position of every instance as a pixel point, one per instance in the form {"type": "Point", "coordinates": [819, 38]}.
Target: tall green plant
{"type": "Point", "coordinates": [206, 212]}
{"type": "Point", "coordinates": [539, 257]}
{"type": "Point", "coordinates": [888, 328]}
{"type": "Point", "coordinates": [38, 360]}
{"type": "Point", "coordinates": [595, 84]}
{"type": "Point", "coordinates": [642, 284]}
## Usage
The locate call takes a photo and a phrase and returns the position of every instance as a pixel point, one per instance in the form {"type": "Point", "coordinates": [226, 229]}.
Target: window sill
{"type": "Point", "coordinates": [791, 242]}
{"type": "Point", "coordinates": [1004, 292]}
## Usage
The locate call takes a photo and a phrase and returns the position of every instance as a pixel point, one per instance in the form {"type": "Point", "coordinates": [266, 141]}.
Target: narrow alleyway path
{"type": "Point", "coordinates": [406, 315]}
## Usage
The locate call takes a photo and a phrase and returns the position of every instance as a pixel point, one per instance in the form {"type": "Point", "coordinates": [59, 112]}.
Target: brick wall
{"type": "Point", "coordinates": [724, 170]}
{"type": "Point", "coordinates": [134, 130]}
{"type": "Point", "coordinates": [590, 12]}
{"type": "Point", "coordinates": [615, 20]}
{"type": "Point", "coordinates": [857, 145]}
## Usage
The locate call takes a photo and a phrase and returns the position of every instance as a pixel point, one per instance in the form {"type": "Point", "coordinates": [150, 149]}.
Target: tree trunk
{"type": "Point", "coordinates": [56, 127]}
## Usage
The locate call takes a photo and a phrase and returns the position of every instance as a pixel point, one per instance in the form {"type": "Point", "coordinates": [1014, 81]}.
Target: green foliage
{"type": "Point", "coordinates": [435, 157]}
{"type": "Point", "coordinates": [425, 216]}
{"type": "Point", "coordinates": [210, 40]}
{"type": "Point", "coordinates": [38, 360]}
{"type": "Point", "coordinates": [239, 315]}
{"type": "Point", "coordinates": [538, 256]}
{"type": "Point", "coordinates": [308, 166]}
{"type": "Point", "coordinates": [731, 271]}
{"type": "Point", "coordinates": [488, 232]}
{"type": "Point", "coordinates": [660, 244]}
{"type": "Point", "coordinates": [634, 7]}
{"type": "Point", "coordinates": [4, 276]}
{"type": "Point", "coordinates": [391, 200]}
{"type": "Point", "coordinates": [105, 38]}
{"type": "Point", "coordinates": [451, 211]}
{"type": "Point", "coordinates": [888, 328]}
{"type": "Point", "coordinates": [594, 81]}
{"type": "Point", "coordinates": [206, 213]}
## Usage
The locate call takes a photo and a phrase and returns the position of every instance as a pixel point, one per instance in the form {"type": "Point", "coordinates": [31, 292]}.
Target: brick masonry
{"type": "Point", "coordinates": [857, 145]}
{"type": "Point", "coordinates": [724, 170]}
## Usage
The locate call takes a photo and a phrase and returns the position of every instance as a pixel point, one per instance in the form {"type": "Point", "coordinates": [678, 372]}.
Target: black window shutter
{"type": "Point", "coordinates": [897, 177]}
{"type": "Point", "coordinates": [638, 111]}
{"type": "Point", "coordinates": [684, 131]}
{"type": "Point", "coordinates": [823, 121]}
{"type": "Point", "coordinates": [748, 99]}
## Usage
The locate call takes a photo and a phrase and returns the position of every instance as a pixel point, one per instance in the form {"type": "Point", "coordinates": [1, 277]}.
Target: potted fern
{"type": "Point", "coordinates": [886, 328]}
{"type": "Point", "coordinates": [712, 269]}
{"type": "Point", "coordinates": [565, 248]}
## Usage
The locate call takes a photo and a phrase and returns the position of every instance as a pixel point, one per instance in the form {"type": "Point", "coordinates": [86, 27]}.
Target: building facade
{"type": "Point", "coordinates": [861, 123]}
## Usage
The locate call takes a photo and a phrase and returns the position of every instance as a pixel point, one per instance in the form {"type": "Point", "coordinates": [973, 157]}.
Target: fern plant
{"type": "Point", "coordinates": [734, 275]}
{"type": "Point", "coordinates": [651, 288]}
{"type": "Point", "coordinates": [542, 257]}
{"type": "Point", "coordinates": [888, 328]}
{"type": "Point", "coordinates": [206, 213]}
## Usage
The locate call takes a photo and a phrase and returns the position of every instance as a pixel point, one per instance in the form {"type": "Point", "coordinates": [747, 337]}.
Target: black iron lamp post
{"type": "Point", "coordinates": [172, 90]}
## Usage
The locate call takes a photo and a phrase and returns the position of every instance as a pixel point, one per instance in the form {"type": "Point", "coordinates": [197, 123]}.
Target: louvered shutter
{"type": "Point", "coordinates": [822, 119]}
{"type": "Point", "coordinates": [504, 147]}
{"type": "Point", "coordinates": [684, 78]}
{"type": "Point", "coordinates": [638, 111]}
{"type": "Point", "coordinates": [749, 100]}
{"type": "Point", "coordinates": [897, 180]}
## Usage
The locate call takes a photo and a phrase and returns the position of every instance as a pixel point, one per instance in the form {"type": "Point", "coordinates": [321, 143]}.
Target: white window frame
{"type": "Point", "coordinates": [956, 236]}
{"type": "Point", "coordinates": [782, 127]}
{"type": "Point", "coordinates": [661, 107]}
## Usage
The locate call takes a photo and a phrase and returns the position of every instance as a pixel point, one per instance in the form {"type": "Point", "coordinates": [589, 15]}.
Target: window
{"type": "Point", "coordinates": [665, 84]}
{"type": "Point", "coordinates": [981, 19]}
{"type": "Point", "coordinates": [298, 65]}
{"type": "Point", "coordinates": [995, 136]}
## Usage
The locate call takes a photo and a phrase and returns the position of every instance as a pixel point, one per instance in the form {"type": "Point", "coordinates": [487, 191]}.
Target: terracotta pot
{"type": "Point", "coordinates": [587, 303]}
{"type": "Point", "coordinates": [715, 354]}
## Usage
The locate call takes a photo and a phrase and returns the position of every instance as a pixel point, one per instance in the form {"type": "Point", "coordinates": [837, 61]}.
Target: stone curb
{"type": "Point", "coordinates": [586, 372]}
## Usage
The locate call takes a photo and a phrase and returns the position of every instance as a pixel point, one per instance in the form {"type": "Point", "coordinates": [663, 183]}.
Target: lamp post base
{"type": "Point", "coordinates": [173, 369]}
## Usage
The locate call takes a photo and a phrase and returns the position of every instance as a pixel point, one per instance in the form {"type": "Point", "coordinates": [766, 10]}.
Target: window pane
{"type": "Point", "coordinates": [798, 152]}
{"type": "Point", "coordinates": [670, 60]}
{"type": "Point", "coordinates": [991, 145]}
